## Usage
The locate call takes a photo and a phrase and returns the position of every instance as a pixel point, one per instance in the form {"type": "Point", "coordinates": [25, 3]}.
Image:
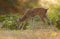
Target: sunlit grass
{"type": "Point", "coordinates": [29, 34]}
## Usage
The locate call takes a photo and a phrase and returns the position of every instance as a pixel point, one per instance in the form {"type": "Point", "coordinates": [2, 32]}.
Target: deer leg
{"type": "Point", "coordinates": [20, 25]}
{"type": "Point", "coordinates": [49, 21]}
{"type": "Point", "coordinates": [32, 23]}
{"type": "Point", "coordinates": [43, 22]}
{"type": "Point", "coordinates": [24, 25]}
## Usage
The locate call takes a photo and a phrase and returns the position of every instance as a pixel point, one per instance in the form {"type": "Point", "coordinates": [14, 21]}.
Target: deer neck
{"type": "Point", "coordinates": [24, 18]}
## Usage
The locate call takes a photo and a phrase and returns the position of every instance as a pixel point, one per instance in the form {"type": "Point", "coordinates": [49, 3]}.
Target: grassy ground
{"type": "Point", "coordinates": [29, 34]}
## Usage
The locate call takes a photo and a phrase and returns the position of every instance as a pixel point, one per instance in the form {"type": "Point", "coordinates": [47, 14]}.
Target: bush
{"type": "Point", "coordinates": [10, 22]}
{"type": "Point", "coordinates": [54, 15]}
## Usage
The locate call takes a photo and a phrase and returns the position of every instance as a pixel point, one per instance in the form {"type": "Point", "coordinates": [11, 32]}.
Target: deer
{"type": "Point", "coordinates": [30, 14]}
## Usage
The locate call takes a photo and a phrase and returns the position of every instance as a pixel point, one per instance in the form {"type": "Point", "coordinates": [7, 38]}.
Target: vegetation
{"type": "Point", "coordinates": [10, 21]}
{"type": "Point", "coordinates": [13, 10]}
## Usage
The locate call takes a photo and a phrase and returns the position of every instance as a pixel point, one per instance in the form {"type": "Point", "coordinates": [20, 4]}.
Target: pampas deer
{"type": "Point", "coordinates": [41, 12]}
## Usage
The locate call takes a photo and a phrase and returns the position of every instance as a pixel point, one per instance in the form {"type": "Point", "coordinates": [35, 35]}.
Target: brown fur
{"type": "Point", "coordinates": [41, 12]}
{"type": "Point", "coordinates": [34, 12]}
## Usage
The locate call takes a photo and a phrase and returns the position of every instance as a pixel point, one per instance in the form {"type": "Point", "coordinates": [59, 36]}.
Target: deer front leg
{"type": "Point", "coordinates": [24, 25]}
{"type": "Point", "coordinates": [32, 24]}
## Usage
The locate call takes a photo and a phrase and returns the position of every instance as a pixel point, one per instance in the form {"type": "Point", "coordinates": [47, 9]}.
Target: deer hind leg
{"type": "Point", "coordinates": [48, 20]}
{"type": "Point", "coordinates": [50, 23]}
{"type": "Point", "coordinates": [44, 23]}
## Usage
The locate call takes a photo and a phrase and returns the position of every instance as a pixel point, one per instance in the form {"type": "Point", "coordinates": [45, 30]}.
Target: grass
{"type": "Point", "coordinates": [29, 34]}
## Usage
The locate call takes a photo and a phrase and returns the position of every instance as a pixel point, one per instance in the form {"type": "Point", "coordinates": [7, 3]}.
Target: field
{"type": "Point", "coordinates": [12, 14]}
{"type": "Point", "coordinates": [29, 34]}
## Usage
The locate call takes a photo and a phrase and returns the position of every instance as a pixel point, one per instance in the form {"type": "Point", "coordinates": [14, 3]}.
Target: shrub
{"type": "Point", "coordinates": [54, 15]}
{"type": "Point", "coordinates": [10, 22]}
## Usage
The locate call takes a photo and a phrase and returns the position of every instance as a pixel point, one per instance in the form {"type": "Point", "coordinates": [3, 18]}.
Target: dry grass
{"type": "Point", "coordinates": [29, 34]}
